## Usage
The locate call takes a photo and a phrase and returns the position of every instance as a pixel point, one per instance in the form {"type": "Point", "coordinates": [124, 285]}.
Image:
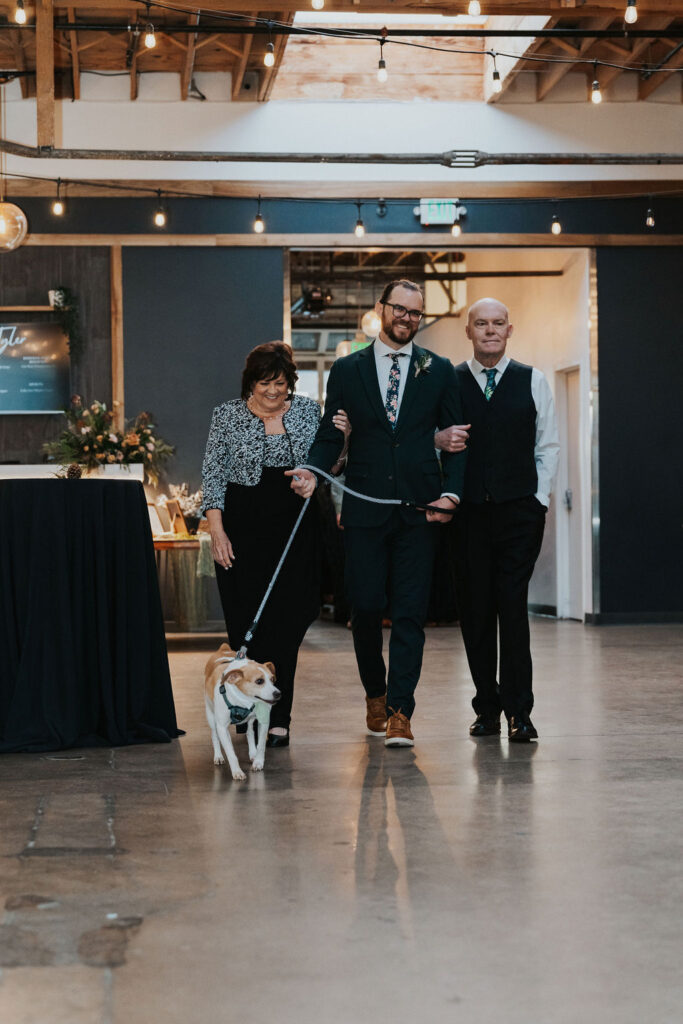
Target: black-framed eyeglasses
{"type": "Point", "coordinates": [400, 311]}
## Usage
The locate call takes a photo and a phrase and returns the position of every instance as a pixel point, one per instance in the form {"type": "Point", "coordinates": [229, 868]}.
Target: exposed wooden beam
{"type": "Point", "coordinates": [45, 73]}
{"type": "Point", "coordinates": [238, 73]}
{"type": "Point", "coordinates": [638, 48]}
{"type": "Point", "coordinates": [557, 8]}
{"type": "Point", "coordinates": [19, 60]}
{"type": "Point", "coordinates": [550, 78]}
{"type": "Point", "coordinates": [116, 314]}
{"type": "Point", "coordinates": [188, 63]}
{"type": "Point", "coordinates": [647, 86]}
{"type": "Point", "coordinates": [510, 67]}
{"type": "Point", "coordinates": [75, 69]}
{"type": "Point", "coordinates": [268, 79]}
{"type": "Point", "coordinates": [132, 56]}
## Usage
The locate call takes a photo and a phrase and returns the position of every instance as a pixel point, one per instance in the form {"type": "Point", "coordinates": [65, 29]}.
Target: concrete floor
{"type": "Point", "coordinates": [461, 881]}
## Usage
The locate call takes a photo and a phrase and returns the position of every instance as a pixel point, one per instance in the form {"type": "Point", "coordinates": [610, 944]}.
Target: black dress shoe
{"type": "Point", "coordinates": [486, 725]}
{"type": "Point", "coordinates": [277, 741]}
{"type": "Point", "coordinates": [521, 729]}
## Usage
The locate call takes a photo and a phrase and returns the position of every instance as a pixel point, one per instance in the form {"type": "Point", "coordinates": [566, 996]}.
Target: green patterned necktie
{"type": "Point", "coordinates": [490, 384]}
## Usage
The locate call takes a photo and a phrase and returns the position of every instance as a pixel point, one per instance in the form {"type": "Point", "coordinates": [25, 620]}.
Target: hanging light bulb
{"type": "Point", "coordinates": [474, 8]}
{"type": "Point", "coordinates": [456, 230]}
{"type": "Point", "coordinates": [596, 95]}
{"type": "Point", "coordinates": [150, 38]}
{"type": "Point", "coordinates": [269, 56]}
{"type": "Point", "coordinates": [496, 83]}
{"type": "Point", "coordinates": [370, 324]}
{"type": "Point", "coordinates": [20, 13]}
{"type": "Point", "coordinates": [13, 226]}
{"type": "Point", "coordinates": [359, 229]}
{"type": "Point", "coordinates": [382, 73]}
{"type": "Point", "coordinates": [259, 224]}
{"type": "Point", "coordinates": [160, 212]}
{"type": "Point", "coordinates": [650, 218]}
{"type": "Point", "coordinates": [631, 12]}
{"type": "Point", "coordinates": [317, 5]}
{"type": "Point", "coordinates": [555, 226]}
{"type": "Point", "coordinates": [58, 205]}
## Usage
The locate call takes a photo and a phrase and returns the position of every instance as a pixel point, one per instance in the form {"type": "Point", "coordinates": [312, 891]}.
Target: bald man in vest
{"type": "Point", "coordinates": [513, 453]}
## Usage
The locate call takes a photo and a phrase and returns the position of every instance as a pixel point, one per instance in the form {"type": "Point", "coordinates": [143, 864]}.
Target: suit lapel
{"type": "Point", "coordinates": [411, 388]}
{"type": "Point", "coordinates": [368, 373]}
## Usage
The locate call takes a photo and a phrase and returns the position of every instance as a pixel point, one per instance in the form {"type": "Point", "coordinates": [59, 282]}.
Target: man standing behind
{"type": "Point", "coordinates": [396, 395]}
{"type": "Point", "coordinates": [513, 453]}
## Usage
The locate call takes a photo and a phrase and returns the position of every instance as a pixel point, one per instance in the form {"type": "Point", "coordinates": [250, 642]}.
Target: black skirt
{"type": "Point", "coordinates": [258, 520]}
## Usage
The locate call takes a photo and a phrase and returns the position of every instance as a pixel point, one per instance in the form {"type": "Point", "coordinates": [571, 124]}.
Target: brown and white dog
{"type": "Point", "coordinates": [238, 690]}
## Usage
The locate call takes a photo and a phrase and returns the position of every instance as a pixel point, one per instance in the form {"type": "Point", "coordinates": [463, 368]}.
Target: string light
{"type": "Point", "coordinates": [160, 213]}
{"type": "Point", "coordinates": [631, 12]}
{"type": "Point", "coordinates": [596, 95]}
{"type": "Point", "coordinates": [150, 38]}
{"type": "Point", "coordinates": [382, 73]}
{"type": "Point", "coordinates": [496, 83]}
{"type": "Point", "coordinates": [474, 8]}
{"type": "Point", "coordinates": [359, 229]}
{"type": "Point", "coordinates": [20, 13]}
{"type": "Point", "coordinates": [259, 224]}
{"type": "Point", "coordinates": [649, 218]}
{"type": "Point", "coordinates": [58, 205]}
{"type": "Point", "coordinates": [555, 225]}
{"type": "Point", "coordinates": [317, 5]}
{"type": "Point", "coordinates": [456, 230]}
{"type": "Point", "coordinates": [269, 57]}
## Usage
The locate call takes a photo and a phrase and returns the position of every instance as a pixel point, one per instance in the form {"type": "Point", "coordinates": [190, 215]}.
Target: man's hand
{"type": "Point", "coordinates": [305, 484]}
{"type": "Point", "coordinates": [453, 439]}
{"type": "Point", "coordinates": [438, 517]}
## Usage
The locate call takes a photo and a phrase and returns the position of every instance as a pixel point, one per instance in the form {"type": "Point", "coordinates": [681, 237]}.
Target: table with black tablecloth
{"type": "Point", "coordinates": [82, 649]}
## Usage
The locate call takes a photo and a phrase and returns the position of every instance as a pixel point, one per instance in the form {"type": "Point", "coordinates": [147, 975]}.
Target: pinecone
{"type": "Point", "coordinates": [74, 471]}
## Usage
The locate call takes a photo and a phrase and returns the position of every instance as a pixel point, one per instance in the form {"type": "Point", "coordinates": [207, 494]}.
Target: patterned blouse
{"type": "Point", "coordinates": [236, 448]}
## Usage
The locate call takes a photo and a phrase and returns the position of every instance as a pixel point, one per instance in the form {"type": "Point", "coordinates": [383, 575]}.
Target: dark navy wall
{"type": "Point", "coordinates": [641, 438]}
{"type": "Point", "coordinates": [211, 216]}
{"type": "Point", "coordinates": [190, 317]}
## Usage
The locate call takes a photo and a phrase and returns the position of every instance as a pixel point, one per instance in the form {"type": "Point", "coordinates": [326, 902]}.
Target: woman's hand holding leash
{"type": "Point", "coordinates": [445, 503]}
{"type": "Point", "coordinates": [303, 481]}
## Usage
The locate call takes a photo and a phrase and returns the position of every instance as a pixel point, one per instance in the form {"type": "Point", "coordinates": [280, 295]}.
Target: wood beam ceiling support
{"type": "Point", "coordinates": [132, 60]}
{"type": "Point", "coordinates": [647, 86]}
{"type": "Point", "coordinates": [549, 79]}
{"type": "Point", "coordinates": [19, 60]}
{"type": "Point", "coordinates": [638, 48]}
{"type": "Point", "coordinates": [75, 68]}
{"type": "Point", "coordinates": [238, 73]}
{"type": "Point", "coordinates": [188, 62]}
{"type": "Point", "coordinates": [504, 8]}
{"type": "Point", "coordinates": [45, 73]}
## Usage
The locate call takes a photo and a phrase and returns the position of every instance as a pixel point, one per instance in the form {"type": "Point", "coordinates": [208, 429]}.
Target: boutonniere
{"type": "Point", "coordinates": [423, 364]}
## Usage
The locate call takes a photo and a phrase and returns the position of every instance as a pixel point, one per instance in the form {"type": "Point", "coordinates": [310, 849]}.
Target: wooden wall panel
{"type": "Point", "coordinates": [26, 276]}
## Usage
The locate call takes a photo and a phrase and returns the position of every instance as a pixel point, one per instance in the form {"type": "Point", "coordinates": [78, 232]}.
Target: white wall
{"type": "Point", "coordinates": [106, 118]}
{"type": "Point", "coordinates": [550, 318]}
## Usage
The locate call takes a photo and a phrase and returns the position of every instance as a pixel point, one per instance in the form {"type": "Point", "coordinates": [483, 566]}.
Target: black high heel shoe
{"type": "Point", "coordinates": [277, 741]}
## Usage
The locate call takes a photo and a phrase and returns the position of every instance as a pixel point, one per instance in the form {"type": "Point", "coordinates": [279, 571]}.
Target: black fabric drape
{"type": "Point", "coordinates": [82, 649]}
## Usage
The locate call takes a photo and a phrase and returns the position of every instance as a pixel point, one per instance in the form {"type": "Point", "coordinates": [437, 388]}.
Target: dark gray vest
{"type": "Point", "coordinates": [500, 463]}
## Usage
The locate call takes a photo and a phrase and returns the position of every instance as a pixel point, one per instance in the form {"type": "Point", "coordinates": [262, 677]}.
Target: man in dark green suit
{"type": "Point", "coordinates": [396, 395]}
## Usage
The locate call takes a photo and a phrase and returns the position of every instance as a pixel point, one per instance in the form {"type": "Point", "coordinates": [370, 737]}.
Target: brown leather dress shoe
{"type": "Point", "coordinates": [376, 717]}
{"type": "Point", "coordinates": [398, 731]}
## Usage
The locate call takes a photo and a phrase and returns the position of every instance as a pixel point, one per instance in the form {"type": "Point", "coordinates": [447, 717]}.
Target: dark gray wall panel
{"type": "Point", "coordinates": [26, 276]}
{"type": "Point", "coordinates": [190, 317]}
{"type": "Point", "coordinates": [641, 437]}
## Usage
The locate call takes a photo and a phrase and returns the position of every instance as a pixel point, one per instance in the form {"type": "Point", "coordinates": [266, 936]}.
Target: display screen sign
{"type": "Point", "coordinates": [34, 368]}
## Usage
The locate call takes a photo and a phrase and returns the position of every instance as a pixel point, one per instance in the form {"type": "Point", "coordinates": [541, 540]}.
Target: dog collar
{"type": "Point", "coordinates": [237, 712]}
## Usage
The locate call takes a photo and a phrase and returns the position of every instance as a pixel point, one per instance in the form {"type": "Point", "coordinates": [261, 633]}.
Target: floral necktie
{"type": "Point", "coordinates": [490, 384]}
{"type": "Point", "coordinates": [391, 401]}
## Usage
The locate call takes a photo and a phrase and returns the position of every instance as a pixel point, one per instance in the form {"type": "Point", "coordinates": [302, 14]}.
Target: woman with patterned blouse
{"type": "Point", "coordinates": [251, 509]}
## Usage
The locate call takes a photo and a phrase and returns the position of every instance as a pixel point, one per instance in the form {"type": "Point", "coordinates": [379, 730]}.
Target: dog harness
{"type": "Point", "coordinates": [237, 712]}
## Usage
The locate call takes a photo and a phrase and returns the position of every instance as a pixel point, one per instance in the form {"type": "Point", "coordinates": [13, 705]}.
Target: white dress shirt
{"type": "Point", "coordinates": [384, 364]}
{"type": "Point", "coordinates": [547, 445]}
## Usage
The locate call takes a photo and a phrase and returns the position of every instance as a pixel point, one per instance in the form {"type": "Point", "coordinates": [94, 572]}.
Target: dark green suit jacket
{"type": "Point", "coordinates": [385, 462]}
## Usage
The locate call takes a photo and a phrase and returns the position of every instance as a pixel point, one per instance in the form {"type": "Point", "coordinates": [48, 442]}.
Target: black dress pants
{"type": "Point", "coordinates": [497, 545]}
{"type": "Point", "coordinates": [388, 572]}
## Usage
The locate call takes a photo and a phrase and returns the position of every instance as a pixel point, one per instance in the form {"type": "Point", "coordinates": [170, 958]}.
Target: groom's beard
{"type": "Point", "coordinates": [400, 337]}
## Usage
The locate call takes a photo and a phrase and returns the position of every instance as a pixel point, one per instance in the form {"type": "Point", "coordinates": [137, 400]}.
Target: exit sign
{"type": "Point", "coordinates": [436, 211]}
